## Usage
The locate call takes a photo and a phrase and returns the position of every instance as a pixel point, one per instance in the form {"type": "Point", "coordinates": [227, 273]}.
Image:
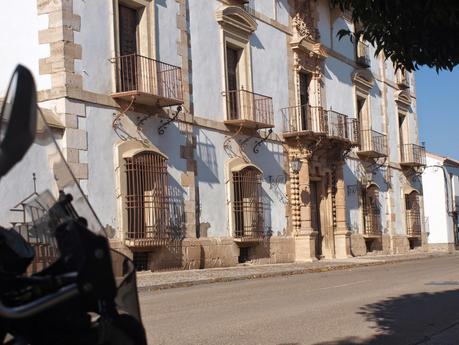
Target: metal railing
{"type": "Point", "coordinates": [316, 120]}
{"type": "Point", "coordinates": [154, 214]}
{"type": "Point", "coordinates": [247, 204]}
{"type": "Point", "coordinates": [362, 54]}
{"type": "Point", "coordinates": [374, 141]}
{"type": "Point", "coordinates": [413, 154]}
{"type": "Point", "coordinates": [413, 223]}
{"type": "Point", "coordinates": [303, 118]}
{"type": "Point", "coordinates": [249, 106]}
{"type": "Point", "coordinates": [372, 224]}
{"type": "Point", "coordinates": [142, 74]}
{"type": "Point", "coordinates": [341, 126]}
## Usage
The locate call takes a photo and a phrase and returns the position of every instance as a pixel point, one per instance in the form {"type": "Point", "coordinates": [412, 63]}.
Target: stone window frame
{"type": "Point", "coordinates": [363, 82]}
{"type": "Point", "coordinates": [236, 27]}
{"type": "Point", "coordinates": [403, 107]}
{"type": "Point", "coordinates": [146, 29]}
{"type": "Point", "coordinates": [233, 165]}
{"type": "Point", "coordinates": [127, 149]}
{"type": "Point", "coordinates": [364, 192]}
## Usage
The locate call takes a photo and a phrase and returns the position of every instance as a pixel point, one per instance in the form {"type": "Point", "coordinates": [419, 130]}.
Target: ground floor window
{"type": "Point", "coordinates": [413, 214]}
{"type": "Point", "coordinates": [147, 196]}
{"type": "Point", "coordinates": [247, 203]}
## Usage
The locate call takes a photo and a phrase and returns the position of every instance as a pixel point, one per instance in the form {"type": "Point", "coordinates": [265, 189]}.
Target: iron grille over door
{"type": "Point", "coordinates": [247, 203]}
{"type": "Point", "coordinates": [147, 199]}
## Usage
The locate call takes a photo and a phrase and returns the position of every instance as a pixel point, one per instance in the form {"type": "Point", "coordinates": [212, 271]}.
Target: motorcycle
{"type": "Point", "coordinates": [60, 283]}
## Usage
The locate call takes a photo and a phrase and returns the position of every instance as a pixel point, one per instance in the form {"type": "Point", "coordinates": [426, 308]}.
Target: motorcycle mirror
{"type": "Point", "coordinates": [18, 119]}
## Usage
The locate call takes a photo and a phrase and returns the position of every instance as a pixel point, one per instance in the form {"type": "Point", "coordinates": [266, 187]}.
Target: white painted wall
{"type": "Point", "coordinates": [269, 54]}
{"type": "Point", "coordinates": [97, 40]}
{"type": "Point", "coordinates": [206, 55]}
{"type": "Point", "coordinates": [19, 26]}
{"type": "Point", "coordinates": [435, 202]}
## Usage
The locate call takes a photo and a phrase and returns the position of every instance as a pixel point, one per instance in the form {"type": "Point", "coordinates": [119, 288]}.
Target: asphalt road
{"type": "Point", "coordinates": [403, 303]}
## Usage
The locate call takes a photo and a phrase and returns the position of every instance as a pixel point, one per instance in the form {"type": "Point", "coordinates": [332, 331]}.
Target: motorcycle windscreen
{"type": "Point", "coordinates": [30, 189]}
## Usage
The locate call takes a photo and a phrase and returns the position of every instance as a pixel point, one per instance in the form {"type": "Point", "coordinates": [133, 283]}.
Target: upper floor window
{"type": "Point", "coordinates": [137, 74]}
{"type": "Point", "coordinates": [243, 107]}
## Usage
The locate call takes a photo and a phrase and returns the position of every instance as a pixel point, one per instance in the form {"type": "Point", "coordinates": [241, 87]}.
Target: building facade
{"type": "Point", "coordinates": [207, 133]}
{"type": "Point", "coordinates": [440, 182]}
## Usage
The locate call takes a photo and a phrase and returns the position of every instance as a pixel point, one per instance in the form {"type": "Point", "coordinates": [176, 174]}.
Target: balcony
{"type": "Point", "coordinates": [310, 121]}
{"type": "Point", "coordinates": [303, 120]}
{"type": "Point", "coordinates": [151, 82]}
{"type": "Point", "coordinates": [341, 127]}
{"type": "Point", "coordinates": [362, 54]}
{"type": "Point", "coordinates": [372, 144]}
{"type": "Point", "coordinates": [401, 80]}
{"type": "Point", "coordinates": [248, 109]}
{"type": "Point", "coordinates": [412, 155]}
{"type": "Point", "coordinates": [413, 223]}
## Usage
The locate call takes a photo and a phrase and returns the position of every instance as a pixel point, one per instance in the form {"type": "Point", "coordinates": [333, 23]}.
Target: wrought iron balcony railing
{"type": "Point", "coordinates": [362, 54]}
{"type": "Point", "coordinates": [151, 82]}
{"type": "Point", "coordinates": [413, 223]}
{"type": "Point", "coordinates": [248, 109]}
{"type": "Point", "coordinates": [304, 118]}
{"type": "Point", "coordinates": [412, 155]}
{"type": "Point", "coordinates": [342, 127]}
{"type": "Point", "coordinates": [311, 120]}
{"type": "Point", "coordinates": [372, 144]}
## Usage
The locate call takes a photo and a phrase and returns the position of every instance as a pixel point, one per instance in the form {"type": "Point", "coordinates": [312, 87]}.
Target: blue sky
{"type": "Point", "coordinates": [438, 110]}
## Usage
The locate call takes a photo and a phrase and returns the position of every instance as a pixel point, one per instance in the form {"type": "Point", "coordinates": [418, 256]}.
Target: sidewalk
{"type": "Point", "coordinates": [147, 281]}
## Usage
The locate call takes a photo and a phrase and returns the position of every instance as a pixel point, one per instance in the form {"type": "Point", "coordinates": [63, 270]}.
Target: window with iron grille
{"type": "Point", "coordinates": [147, 200]}
{"type": "Point", "coordinates": [413, 215]}
{"type": "Point", "coordinates": [371, 210]}
{"type": "Point", "coordinates": [247, 203]}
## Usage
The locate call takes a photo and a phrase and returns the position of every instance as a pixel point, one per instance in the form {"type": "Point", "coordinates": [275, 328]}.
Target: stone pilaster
{"type": "Point", "coordinates": [189, 177]}
{"type": "Point", "coordinates": [305, 236]}
{"type": "Point", "coordinates": [342, 233]}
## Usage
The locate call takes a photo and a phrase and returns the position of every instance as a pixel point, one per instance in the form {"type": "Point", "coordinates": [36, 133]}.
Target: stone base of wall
{"type": "Point", "coordinates": [275, 251]}
{"type": "Point", "coordinates": [358, 246]}
{"type": "Point", "coordinates": [215, 252]}
{"type": "Point", "coordinates": [442, 247]}
{"type": "Point", "coordinates": [364, 246]}
{"type": "Point", "coordinates": [400, 244]}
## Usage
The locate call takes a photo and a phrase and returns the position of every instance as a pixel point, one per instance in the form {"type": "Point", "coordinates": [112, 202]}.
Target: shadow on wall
{"type": "Point", "coordinates": [170, 256]}
{"type": "Point", "coordinates": [206, 158]}
{"type": "Point", "coordinates": [408, 319]}
{"type": "Point", "coordinates": [255, 41]}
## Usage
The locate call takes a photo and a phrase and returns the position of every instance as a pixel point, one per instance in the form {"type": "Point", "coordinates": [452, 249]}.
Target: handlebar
{"type": "Point", "coordinates": [63, 294]}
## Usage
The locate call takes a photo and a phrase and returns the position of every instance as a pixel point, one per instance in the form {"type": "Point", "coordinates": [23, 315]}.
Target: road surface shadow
{"type": "Point", "coordinates": [407, 319]}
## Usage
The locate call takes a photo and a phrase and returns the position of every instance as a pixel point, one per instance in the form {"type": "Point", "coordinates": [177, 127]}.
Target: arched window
{"type": "Point", "coordinates": [245, 200]}
{"type": "Point", "coordinates": [146, 197]}
{"type": "Point", "coordinates": [247, 203]}
{"type": "Point", "coordinates": [371, 211]}
{"type": "Point", "coordinates": [413, 214]}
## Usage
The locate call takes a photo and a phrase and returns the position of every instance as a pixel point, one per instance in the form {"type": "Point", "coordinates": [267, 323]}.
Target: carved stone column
{"type": "Point", "coordinates": [342, 233]}
{"type": "Point", "coordinates": [305, 237]}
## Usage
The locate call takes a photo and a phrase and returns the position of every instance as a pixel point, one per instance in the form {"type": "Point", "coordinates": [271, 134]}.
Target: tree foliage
{"type": "Point", "coordinates": [411, 33]}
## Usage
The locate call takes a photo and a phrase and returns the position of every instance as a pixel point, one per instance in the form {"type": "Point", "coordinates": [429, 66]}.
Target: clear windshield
{"type": "Point", "coordinates": [29, 192]}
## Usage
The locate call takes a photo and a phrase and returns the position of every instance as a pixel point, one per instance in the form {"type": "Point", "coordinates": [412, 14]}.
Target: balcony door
{"type": "Point", "coordinates": [304, 102]}
{"type": "Point", "coordinates": [128, 68]}
{"type": "Point", "coordinates": [315, 215]}
{"type": "Point", "coordinates": [232, 74]}
{"type": "Point", "coordinates": [401, 136]}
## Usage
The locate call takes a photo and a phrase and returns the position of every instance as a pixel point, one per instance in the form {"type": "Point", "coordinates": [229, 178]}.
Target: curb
{"type": "Point", "coordinates": [329, 268]}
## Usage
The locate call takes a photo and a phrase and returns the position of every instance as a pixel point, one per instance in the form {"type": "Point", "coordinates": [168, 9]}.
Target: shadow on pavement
{"type": "Point", "coordinates": [408, 319]}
